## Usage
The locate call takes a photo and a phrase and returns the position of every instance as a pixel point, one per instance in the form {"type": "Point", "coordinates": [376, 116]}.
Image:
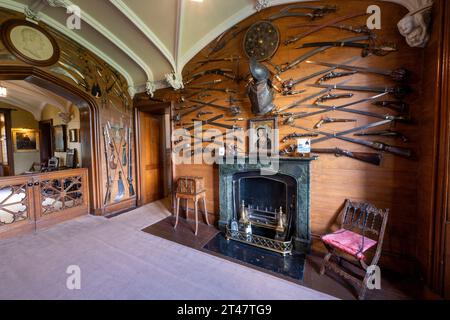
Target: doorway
{"type": "Point", "coordinates": [154, 153]}
{"type": "Point", "coordinates": [46, 140]}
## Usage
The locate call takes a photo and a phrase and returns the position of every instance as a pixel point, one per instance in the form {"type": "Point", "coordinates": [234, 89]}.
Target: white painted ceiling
{"type": "Point", "coordinates": [145, 39]}
{"type": "Point", "coordinates": [32, 98]}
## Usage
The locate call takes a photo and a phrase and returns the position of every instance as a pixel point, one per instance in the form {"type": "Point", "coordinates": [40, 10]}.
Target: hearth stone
{"type": "Point", "coordinates": [297, 168]}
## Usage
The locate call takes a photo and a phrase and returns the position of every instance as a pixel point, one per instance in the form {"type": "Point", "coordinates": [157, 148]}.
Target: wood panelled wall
{"type": "Point", "coordinates": [392, 185]}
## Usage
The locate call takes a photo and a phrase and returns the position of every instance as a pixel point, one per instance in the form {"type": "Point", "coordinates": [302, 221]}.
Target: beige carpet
{"type": "Point", "coordinates": [119, 261]}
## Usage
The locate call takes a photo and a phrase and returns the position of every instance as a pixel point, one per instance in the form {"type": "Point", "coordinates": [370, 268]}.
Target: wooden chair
{"type": "Point", "coordinates": [362, 229]}
{"type": "Point", "coordinates": [191, 188]}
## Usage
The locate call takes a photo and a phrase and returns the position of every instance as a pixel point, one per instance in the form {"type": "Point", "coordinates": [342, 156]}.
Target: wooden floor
{"type": "Point", "coordinates": [394, 286]}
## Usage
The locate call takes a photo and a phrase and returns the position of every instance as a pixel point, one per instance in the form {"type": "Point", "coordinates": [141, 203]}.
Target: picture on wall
{"type": "Point", "coordinates": [262, 138]}
{"type": "Point", "coordinates": [25, 140]}
{"type": "Point", "coordinates": [60, 138]}
{"type": "Point", "coordinates": [74, 135]}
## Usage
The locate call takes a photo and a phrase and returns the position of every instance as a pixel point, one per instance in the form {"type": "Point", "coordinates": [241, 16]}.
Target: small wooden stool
{"type": "Point", "coordinates": [194, 198]}
{"type": "Point", "coordinates": [191, 188]}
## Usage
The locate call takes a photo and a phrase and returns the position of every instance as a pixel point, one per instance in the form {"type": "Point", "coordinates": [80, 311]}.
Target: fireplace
{"type": "Point", "coordinates": [268, 211]}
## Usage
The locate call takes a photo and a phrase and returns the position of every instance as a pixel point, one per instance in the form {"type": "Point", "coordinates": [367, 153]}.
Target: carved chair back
{"type": "Point", "coordinates": [364, 218]}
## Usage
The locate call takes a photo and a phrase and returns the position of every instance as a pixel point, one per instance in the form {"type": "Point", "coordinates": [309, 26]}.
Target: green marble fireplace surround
{"type": "Point", "coordinates": [297, 168]}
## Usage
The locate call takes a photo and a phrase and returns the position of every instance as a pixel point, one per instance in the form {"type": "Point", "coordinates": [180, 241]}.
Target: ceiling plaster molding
{"type": "Point", "coordinates": [179, 35]}
{"type": "Point", "coordinates": [113, 39]}
{"type": "Point", "coordinates": [14, 6]}
{"type": "Point", "coordinates": [132, 17]}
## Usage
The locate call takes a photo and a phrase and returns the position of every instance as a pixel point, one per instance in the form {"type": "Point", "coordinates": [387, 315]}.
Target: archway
{"type": "Point", "coordinates": [89, 119]}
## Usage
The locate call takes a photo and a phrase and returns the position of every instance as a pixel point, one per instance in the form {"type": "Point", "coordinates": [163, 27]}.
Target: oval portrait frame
{"type": "Point", "coordinates": [8, 27]}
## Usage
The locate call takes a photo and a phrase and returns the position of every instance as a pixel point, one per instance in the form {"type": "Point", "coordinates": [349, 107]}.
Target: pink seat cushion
{"type": "Point", "coordinates": [349, 242]}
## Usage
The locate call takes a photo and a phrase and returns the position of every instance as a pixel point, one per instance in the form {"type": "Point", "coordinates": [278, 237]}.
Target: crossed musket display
{"type": "Point", "coordinates": [376, 145]}
{"type": "Point", "coordinates": [398, 92]}
{"type": "Point", "coordinates": [291, 117]}
{"type": "Point", "coordinates": [399, 74]}
{"type": "Point", "coordinates": [289, 85]}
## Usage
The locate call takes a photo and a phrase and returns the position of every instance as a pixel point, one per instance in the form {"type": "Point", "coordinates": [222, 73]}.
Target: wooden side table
{"type": "Point", "coordinates": [195, 198]}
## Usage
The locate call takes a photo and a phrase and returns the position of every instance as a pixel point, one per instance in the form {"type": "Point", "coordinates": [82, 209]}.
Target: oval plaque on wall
{"type": "Point", "coordinates": [30, 43]}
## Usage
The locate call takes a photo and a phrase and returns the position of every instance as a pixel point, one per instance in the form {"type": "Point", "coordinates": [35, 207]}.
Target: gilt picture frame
{"type": "Point", "coordinates": [30, 43]}
{"type": "Point", "coordinates": [25, 140]}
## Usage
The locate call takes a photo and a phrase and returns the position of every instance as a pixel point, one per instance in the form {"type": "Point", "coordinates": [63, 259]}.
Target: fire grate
{"type": "Point", "coordinates": [282, 247]}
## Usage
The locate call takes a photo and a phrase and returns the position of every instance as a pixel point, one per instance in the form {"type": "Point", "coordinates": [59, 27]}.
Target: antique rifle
{"type": "Point", "coordinates": [325, 109]}
{"type": "Point", "coordinates": [108, 173]}
{"type": "Point", "coordinates": [380, 146]}
{"type": "Point", "coordinates": [130, 164]}
{"type": "Point", "coordinates": [334, 74]}
{"type": "Point", "coordinates": [298, 135]}
{"type": "Point", "coordinates": [384, 133]}
{"type": "Point", "coordinates": [361, 29]}
{"type": "Point", "coordinates": [289, 65]}
{"type": "Point", "coordinates": [289, 85]}
{"type": "Point", "coordinates": [227, 73]}
{"type": "Point", "coordinates": [367, 48]}
{"type": "Point", "coordinates": [112, 159]}
{"type": "Point", "coordinates": [333, 96]}
{"type": "Point", "coordinates": [203, 113]}
{"type": "Point", "coordinates": [399, 106]}
{"type": "Point", "coordinates": [231, 58]}
{"type": "Point", "coordinates": [398, 75]}
{"type": "Point", "coordinates": [213, 123]}
{"type": "Point", "coordinates": [331, 120]}
{"type": "Point", "coordinates": [299, 102]}
{"type": "Point", "coordinates": [318, 28]}
{"type": "Point", "coordinates": [234, 110]}
{"type": "Point", "coordinates": [179, 116]}
{"type": "Point", "coordinates": [317, 12]}
{"type": "Point", "coordinates": [372, 158]}
{"type": "Point", "coordinates": [398, 92]}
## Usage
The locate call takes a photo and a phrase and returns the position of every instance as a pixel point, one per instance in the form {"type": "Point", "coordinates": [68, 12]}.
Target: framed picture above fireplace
{"type": "Point", "coordinates": [263, 136]}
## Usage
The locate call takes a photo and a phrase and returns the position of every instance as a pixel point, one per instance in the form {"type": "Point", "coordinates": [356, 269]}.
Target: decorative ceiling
{"type": "Point", "coordinates": [148, 41]}
{"type": "Point", "coordinates": [32, 98]}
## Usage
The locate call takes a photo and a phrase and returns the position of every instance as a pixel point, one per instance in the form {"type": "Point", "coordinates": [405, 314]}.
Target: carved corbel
{"type": "Point", "coordinates": [415, 25]}
{"type": "Point", "coordinates": [131, 91]}
{"type": "Point", "coordinates": [150, 88]}
{"type": "Point", "coordinates": [261, 4]}
{"type": "Point", "coordinates": [175, 80]}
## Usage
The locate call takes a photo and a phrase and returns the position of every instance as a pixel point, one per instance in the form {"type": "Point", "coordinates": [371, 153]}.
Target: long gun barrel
{"type": "Point", "coordinates": [372, 158]}
{"type": "Point", "coordinates": [130, 164]}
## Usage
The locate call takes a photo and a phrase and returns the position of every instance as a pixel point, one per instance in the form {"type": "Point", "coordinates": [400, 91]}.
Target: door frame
{"type": "Point", "coordinates": [9, 145]}
{"type": "Point", "coordinates": [156, 109]}
{"type": "Point", "coordinates": [50, 122]}
{"type": "Point", "coordinates": [89, 120]}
